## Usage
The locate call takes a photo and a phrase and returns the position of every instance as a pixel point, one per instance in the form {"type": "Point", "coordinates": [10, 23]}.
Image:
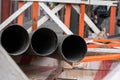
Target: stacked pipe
{"type": "Point", "coordinates": [43, 42]}
{"type": "Point", "coordinates": [14, 39]}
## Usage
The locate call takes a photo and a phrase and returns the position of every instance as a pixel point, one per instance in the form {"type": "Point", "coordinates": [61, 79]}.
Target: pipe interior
{"type": "Point", "coordinates": [44, 41]}
{"type": "Point", "coordinates": [15, 39]}
{"type": "Point", "coordinates": [74, 48]}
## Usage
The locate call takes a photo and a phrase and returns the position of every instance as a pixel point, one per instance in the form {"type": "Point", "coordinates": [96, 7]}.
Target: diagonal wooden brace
{"type": "Point", "coordinates": [56, 19]}
{"type": "Point", "coordinates": [15, 15]}
{"type": "Point", "coordinates": [46, 17]}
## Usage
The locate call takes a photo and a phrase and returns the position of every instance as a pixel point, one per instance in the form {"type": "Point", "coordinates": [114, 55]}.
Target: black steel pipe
{"type": "Point", "coordinates": [14, 39]}
{"type": "Point", "coordinates": [44, 42]}
{"type": "Point", "coordinates": [72, 48]}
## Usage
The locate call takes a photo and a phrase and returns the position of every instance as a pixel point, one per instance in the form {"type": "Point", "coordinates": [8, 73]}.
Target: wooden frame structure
{"type": "Point", "coordinates": [52, 12]}
{"type": "Point", "coordinates": [65, 27]}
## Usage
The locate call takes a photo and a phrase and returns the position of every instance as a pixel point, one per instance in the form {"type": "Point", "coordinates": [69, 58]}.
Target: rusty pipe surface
{"type": "Point", "coordinates": [14, 39]}
{"type": "Point", "coordinates": [72, 48]}
{"type": "Point", "coordinates": [44, 42]}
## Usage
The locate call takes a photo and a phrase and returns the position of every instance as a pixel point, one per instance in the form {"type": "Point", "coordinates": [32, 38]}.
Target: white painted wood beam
{"type": "Point", "coordinates": [89, 2]}
{"type": "Point", "coordinates": [87, 20]}
{"type": "Point", "coordinates": [60, 1]}
{"type": "Point", "coordinates": [15, 15]}
{"type": "Point", "coordinates": [104, 50]}
{"type": "Point", "coordinates": [56, 19]}
{"type": "Point", "coordinates": [46, 17]}
{"type": "Point", "coordinates": [105, 2]}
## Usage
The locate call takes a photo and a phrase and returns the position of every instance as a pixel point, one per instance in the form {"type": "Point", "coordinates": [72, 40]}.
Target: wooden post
{"type": "Point", "coordinates": [34, 16]}
{"type": "Point", "coordinates": [112, 20]}
{"type": "Point", "coordinates": [81, 20]}
{"type": "Point", "coordinates": [5, 9]}
{"type": "Point", "coordinates": [0, 11]}
{"type": "Point", "coordinates": [67, 15]}
{"type": "Point", "coordinates": [21, 16]}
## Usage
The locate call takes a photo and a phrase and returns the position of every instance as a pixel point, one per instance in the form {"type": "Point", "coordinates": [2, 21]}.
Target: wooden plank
{"type": "Point", "coordinates": [100, 58]}
{"type": "Point", "coordinates": [112, 20]}
{"type": "Point", "coordinates": [88, 65]}
{"type": "Point", "coordinates": [56, 19]}
{"type": "Point", "coordinates": [87, 20]}
{"type": "Point", "coordinates": [81, 20]}
{"type": "Point", "coordinates": [21, 16]}
{"type": "Point", "coordinates": [67, 15]}
{"type": "Point", "coordinates": [14, 15]}
{"type": "Point", "coordinates": [8, 68]}
{"type": "Point", "coordinates": [91, 2]}
{"type": "Point", "coordinates": [5, 8]}
{"type": "Point", "coordinates": [60, 1]}
{"type": "Point", "coordinates": [103, 45]}
{"type": "Point", "coordinates": [104, 2]}
{"type": "Point", "coordinates": [34, 15]}
{"type": "Point", "coordinates": [46, 17]}
{"type": "Point", "coordinates": [106, 40]}
{"type": "Point", "coordinates": [104, 50]}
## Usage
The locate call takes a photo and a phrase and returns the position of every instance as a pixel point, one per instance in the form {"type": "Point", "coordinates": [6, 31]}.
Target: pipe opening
{"type": "Point", "coordinates": [15, 39]}
{"type": "Point", "coordinates": [74, 48]}
{"type": "Point", "coordinates": [44, 41]}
